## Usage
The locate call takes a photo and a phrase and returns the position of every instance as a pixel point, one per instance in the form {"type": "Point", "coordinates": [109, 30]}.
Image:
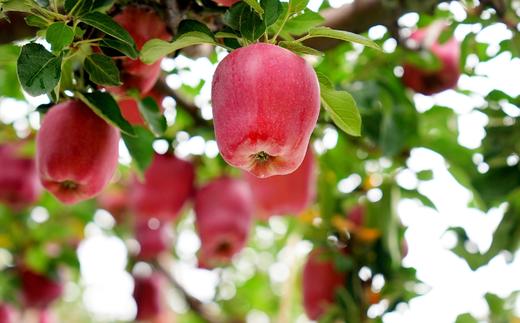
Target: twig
{"type": "Point", "coordinates": [174, 14]}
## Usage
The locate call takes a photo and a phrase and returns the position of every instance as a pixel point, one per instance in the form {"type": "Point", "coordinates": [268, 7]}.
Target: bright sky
{"type": "Point", "coordinates": [452, 287]}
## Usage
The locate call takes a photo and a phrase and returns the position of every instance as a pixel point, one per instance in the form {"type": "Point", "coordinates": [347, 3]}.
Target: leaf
{"type": "Point", "coordinates": [255, 6]}
{"type": "Point", "coordinates": [152, 115]}
{"type": "Point", "coordinates": [102, 70]}
{"type": "Point", "coordinates": [39, 71]}
{"type": "Point", "coordinates": [342, 35]}
{"type": "Point", "coordinates": [466, 318]}
{"type": "Point", "coordinates": [242, 18]}
{"type": "Point", "coordinates": [36, 21]}
{"type": "Point", "coordinates": [222, 34]}
{"type": "Point", "coordinates": [299, 48]}
{"type": "Point", "coordinates": [341, 107]}
{"type": "Point", "coordinates": [155, 49]}
{"type": "Point", "coordinates": [140, 147]}
{"type": "Point", "coordinates": [297, 5]}
{"type": "Point", "coordinates": [272, 10]}
{"type": "Point", "coordinates": [78, 7]}
{"type": "Point", "coordinates": [104, 105]}
{"type": "Point", "coordinates": [59, 35]}
{"type": "Point", "coordinates": [120, 46]}
{"type": "Point", "coordinates": [188, 25]}
{"type": "Point", "coordinates": [300, 24]}
{"type": "Point", "coordinates": [107, 25]}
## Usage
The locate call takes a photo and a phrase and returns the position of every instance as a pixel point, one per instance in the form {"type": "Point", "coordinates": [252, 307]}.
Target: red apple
{"type": "Point", "coordinates": [321, 280]}
{"type": "Point", "coordinates": [429, 82]}
{"type": "Point", "coordinates": [168, 184]}
{"type": "Point", "coordinates": [6, 313]}
{"type": "Point", "coordinates": [147, 295]}
{"type": "Point", "coordinates": [39, 291]}
{"type": "Point", "coordinates": [226, 3]}
{"type": "Point", "coordinates": [153, 241]}
{"type": "Point", "coordinates": [19, 183]}
{"type": "Point", "coordinates": [45, 316]}
{"type": "Point", "coordinates": [266, 102]}
{"type": "Point", "coordinates": [223, 216]}
{"type": "Point", "coordinates": [357, 215]}
{"type": "Point", "coordinates": [285, 194]}
{"type": "Point", "coordinates": [130, 109]}
{"type": "Point", "coordinates": [77, 152]}
{"type": "Point", "coordinates": [143, 24]}
{"type": "Point", "coordinates": [115, 200]}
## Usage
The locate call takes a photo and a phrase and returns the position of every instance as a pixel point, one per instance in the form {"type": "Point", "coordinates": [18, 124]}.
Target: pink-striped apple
{"type": "Point", "coordinates": [223, 216]}
{"type": "Point", "coordinates": [285, 194]}
{"type": "Point", "coordinates": [321, 280]}
{"type": "Point", "coordinates": [168, 184]}
{"type": "Point", "coordinates": [266, 102]}
{"type": "Point", "coordinates": [77, 152]}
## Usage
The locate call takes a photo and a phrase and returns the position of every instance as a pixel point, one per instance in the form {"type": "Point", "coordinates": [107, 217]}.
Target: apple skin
{"type": "Point", "coordinates": [152, 241]}
{"type": "Point", "coordinates": [130, 110]}
{"type": "Point", "coordinates": [147, 295]}
{"type": "Point", "coordinates": [223, 216]}
{"type": "Point", "coordinates": [6, 313]}
{"type": "Point", "coordinates": [432, 82]}
{"type": "Point", "coordinates": [39, 291]}
{"type": "Point", "coordinates": [266, 102]}
{"type": "Point", "coordinates": [143, 24]}
{"type": "Point", "coordinates": [321, 279]}
{"type": "Point", "coordinates": [285, 194]}
{"type": "Point", "coordinates": [19, 182]}
{"type": "Point", "coordinates": [77, 152]}
{"type": "Point", "coordinates": [168, 184]}
{"type": "Point", "coordinates": [226, 3]}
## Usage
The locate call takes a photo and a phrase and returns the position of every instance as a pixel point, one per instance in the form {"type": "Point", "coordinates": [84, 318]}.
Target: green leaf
{"type": "Point", "coordinates": [188, 25]}
{"type": "Point", "coordinates": [104, 105]}
{"type": "Point", "coordinates": [425, 175]}
{"type": "Point", "coordinates": [155, 49]}
{"type": "Point", "coordinates": [342, 35]}
{"type": "Point", "coordinates": [59, 35]}
{"type": "Point", "coordinates": [152, 115]}
{"type": "Point", "coordinates": [272, 10]}
{"type": "Point", "coordinates": [102, 70]}
{"type": "Point", "coordinates": [466, 318]}
{"type": "Point", "coordinates": [39, 71]}
{"type": "Point", "coordinates": [17, 5]}
{"type": "Point", "coordinates": [222, 34]}
{"type": "Point", "coordinates": [341, 107]}
{"type": "Point", "coordinates": [107, 25]}
{"type": "Point", "coordinates": [299, 48]}
{"type": "Point", "coordinates": [120, 46]}
{"type": "Point", "coordinates": [255, 6]}
{"type": "Point", "coordinates": [242, 18]}
{"type": "Point", "coordinates": [300, 24]}
{"type": "Point", "coordinates": [78, 7]}
{"type": "Point", "coordinates": [36, 21]}
{"type": "Point", "coordinates": [140, 147]}
{"type": "Point", "coordinates": [297, 5]}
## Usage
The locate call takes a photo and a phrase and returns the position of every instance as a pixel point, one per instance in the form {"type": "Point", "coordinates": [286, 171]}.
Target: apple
{"type": "Point", "coordinates": [130, 109]}
{"type": "Point", "coordinates": [321, 280]}
{"type": "Point", "coordinates": [429, 82]}
{"type": "Point", "coordinates": [226, 3]}
{"type": "Point", "coordinates": [77, 152]}
{"type": "Point", "coordinates": [168, 184]}
{"type": "Point", "coordinates": [114, 199]}
{"type": "Point", "coordinates": [152, 240]}
{"type": "Point", "coordinates": [285, 194]}
{"type": "Point", "coordinates": [19, 183]}
{"type": "Point", "coordinates": [45, 316]}
{"type": "Point", "coordinates": [223, 216]}
{"type": "Point", "coordinates": [266, 102]}
{"type": "Point", "coordinates": [6, 313]}
{"type": "Point", "coordinates": [143, 24]}
{"type": "Point", "coordinates": [39, 291]}
{"type": "Point", "coordinates": [357, 215]}
{"type": "Point", "coordinates": [147, 295]}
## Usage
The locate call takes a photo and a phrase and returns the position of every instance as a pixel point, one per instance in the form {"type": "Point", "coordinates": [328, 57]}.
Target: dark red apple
{"type": "Point", "coordinates": [226, 3]}
{"type": "Point", "coordinates": [143, 24]}
{"type": "Point", "coordinates": [429, 82]}
{"type": "Point", "coordinates": [77, 152]}
{"type": "Point", "coordinates": [285, 194]}
{"type": "Point", "coordinates": [147, 295]}
{"type": "Point", "coordinates": [6, 313]}
{"type": "Point", "coordinates": [130, 109]}
{"type": "Point", "coordinates": [168, 184]}
{"type": "Point", "coordinates": [19, 183]}
{"type": "Point", "coordinates": [39, 291]}
{"type": "Point", "coordinates": [223, 216]}
{"type": "Point", "coordinates": [152, 240]}
{"type": "Point", "coordinates": [321, 280]}
{"type": "Point", "coordinates": [266, 102]}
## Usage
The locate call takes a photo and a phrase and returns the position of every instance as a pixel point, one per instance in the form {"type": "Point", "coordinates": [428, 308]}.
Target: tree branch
{"type": "Point", "coordinates": [174, 14]}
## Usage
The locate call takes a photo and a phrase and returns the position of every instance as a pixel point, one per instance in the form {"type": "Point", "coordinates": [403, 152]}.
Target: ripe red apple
{"type": "Point", "coordinates": [223, 215]}
{"type": "Point", "coordinates": [39, 291]}
{"type": "Point", "coordinates": [266, 102]}
{"type": "Point", "coordinates": [429, 82]}
{"type": "Point", "coordinates": [45, 316]}
{"type": "Point", "coordinates": [168, 184]}
{"type": "Point", "coordinates": [19, 183]}
{"type": "Point", "coordinates": [77, 152]}
{"type": "Point", "coordinates": [285, 194]}
{"type": "Point", "coordinates": [226, 3]}
{"type": "Point", "coordinates": [147, 295]}
{"type": "Point", "coordinates": [6, 313]}
{"type": "Point", "coordinates": [321, 280]}
{"type": "Point", "coordinates": [130, 110]}
{"type": "Point", "coordinates": [153, 241]}
{"type": "Point", "coordinates": [115, 200]}
{"type": "Point", "coordinates": [357, 215]}
{"type": "Point", "coordinates": [143, 24]}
